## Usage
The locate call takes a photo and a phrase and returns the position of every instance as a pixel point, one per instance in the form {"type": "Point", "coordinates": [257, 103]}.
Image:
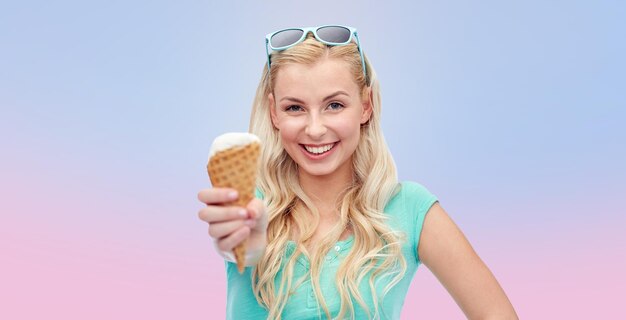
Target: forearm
{"type": "Point", "coordinates": [503, 315]}
{"type": "Point", "coordinates": [491, 303]}
{"type": "Point", "coordinates": [498, 308]}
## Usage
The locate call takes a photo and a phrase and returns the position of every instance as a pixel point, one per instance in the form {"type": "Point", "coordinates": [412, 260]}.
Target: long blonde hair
{"type": "Point", "coordinates": [376, 247]}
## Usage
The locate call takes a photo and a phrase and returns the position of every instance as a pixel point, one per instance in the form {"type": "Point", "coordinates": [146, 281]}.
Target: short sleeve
{"type": "Point", "coordinates": [418, 200]}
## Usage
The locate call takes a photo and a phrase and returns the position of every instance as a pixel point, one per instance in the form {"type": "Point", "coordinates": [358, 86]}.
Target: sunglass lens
{"type": "Point", "coordinates": [285, 38]}
{"type": "Point", "coordinates": [334, 34]}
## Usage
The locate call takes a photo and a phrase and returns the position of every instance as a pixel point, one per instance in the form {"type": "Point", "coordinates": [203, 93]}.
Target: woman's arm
{"type": "Point", "coordinates": [446, 252]}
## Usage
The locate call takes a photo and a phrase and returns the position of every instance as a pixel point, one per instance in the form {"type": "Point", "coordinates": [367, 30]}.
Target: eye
{"type": "Point", "coordinates": [293, 108]}
{"type": "Point", "coordinates": [335, 106]}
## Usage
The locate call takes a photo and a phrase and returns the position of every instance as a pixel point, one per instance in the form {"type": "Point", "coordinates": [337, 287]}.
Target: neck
{"type": "Point", "coordinates": [325, 191]}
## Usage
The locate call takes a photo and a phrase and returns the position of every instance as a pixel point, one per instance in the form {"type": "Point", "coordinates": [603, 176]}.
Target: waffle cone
{"type": "Point", "coordinates": [236, 168]}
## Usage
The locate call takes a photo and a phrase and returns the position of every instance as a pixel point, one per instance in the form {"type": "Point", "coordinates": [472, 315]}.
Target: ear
{"type": "Point", "coordinates": [272, 105]}
{"type": "Point", "coordinates": [367, 106]}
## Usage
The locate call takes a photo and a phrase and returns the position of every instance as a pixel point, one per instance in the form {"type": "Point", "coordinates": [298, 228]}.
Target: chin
{"type": "Point", "coordinates": [318, 172]}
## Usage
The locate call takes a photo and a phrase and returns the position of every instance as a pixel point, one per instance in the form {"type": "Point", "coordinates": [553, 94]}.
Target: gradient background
{"type": "Point", "coordinates": [512, 113]}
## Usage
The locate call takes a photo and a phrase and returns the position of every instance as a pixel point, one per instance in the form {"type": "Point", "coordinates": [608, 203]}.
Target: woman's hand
{"type": "Point", "coordinates": [229, 226]}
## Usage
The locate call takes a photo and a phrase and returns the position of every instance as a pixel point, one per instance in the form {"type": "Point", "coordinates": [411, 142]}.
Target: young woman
{"type": "Point", "coordinates": [333, 234]}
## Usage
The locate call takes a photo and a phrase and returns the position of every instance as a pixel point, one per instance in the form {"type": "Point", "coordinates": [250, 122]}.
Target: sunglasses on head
{"type": "Point", "coordinates": [331, 35]}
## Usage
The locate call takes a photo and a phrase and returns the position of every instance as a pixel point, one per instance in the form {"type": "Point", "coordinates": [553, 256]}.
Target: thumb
{"type": "Point", "coordinates": [256, 208]}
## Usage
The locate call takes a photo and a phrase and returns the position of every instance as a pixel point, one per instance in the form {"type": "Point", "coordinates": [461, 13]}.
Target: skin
{"type": "Point", "coordinates": [303, 114]}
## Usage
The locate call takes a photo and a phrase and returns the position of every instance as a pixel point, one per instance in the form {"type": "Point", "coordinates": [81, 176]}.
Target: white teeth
{"type": "Point", "coordinates": [318, 150]}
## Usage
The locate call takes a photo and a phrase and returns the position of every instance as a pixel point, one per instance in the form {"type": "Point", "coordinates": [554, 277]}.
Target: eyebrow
{"type": "Point", "coordinates": [338, 93]}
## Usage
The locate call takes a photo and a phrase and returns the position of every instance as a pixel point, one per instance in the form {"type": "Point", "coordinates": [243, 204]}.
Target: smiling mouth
{"type": "Point", "coordinates": [320, 149]}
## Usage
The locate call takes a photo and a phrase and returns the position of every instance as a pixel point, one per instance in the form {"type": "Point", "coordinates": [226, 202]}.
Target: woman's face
{"type": "Point", "coordinates": [318, 111]}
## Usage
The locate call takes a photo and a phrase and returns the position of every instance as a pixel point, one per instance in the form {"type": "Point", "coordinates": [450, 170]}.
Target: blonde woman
{"type": "Point", "coordinates": [333, 234]}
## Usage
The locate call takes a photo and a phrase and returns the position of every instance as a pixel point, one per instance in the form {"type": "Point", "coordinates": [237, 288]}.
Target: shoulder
{"type": "Point", "coordinates": [413, 197]}
{"type": "Point", "coordinates": [414, 189]}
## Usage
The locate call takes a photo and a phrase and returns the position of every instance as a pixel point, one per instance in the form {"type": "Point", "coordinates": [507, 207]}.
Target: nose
{"type": "Point", "coordinates": [315, 127]}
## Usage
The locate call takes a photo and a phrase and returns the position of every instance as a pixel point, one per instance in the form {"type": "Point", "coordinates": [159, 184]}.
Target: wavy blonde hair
{"type": "Point", "coordinates": [376, 247]}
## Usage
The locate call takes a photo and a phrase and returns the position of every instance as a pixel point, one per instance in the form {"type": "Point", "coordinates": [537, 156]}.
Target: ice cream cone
{"type": "Point", "coordinates": [233, 163]}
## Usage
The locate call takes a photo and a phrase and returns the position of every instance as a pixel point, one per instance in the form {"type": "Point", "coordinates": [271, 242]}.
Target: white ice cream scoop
{"type": "Point", "coordinates": [230, 140]}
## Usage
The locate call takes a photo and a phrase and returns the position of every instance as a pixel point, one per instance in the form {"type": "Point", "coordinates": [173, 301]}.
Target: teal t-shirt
{"type": "Point", "coordinates": [406, 211]}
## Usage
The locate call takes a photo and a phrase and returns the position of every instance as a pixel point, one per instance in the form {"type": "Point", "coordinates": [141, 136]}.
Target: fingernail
{"type": "Point", "coordinates": [232, 195]}
{"type": "Point", "coordinates": [243, 213]}
{"type": "Point", "coordinates": [250, 223]}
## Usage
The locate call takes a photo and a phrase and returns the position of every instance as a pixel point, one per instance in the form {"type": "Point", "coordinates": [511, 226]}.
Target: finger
{"type": "Point", "coordinates": [213, 214]}
{"type": "Point", "coordinates": [223, 229]}
{"type": "Point", "coordinates": [256, 208]}
{"type": "Point", "coordinates": [258, 213]}
{"type": "Point", "coordinates": [217, 195]}
{"type": "Point", "coordinates": [228, 243]}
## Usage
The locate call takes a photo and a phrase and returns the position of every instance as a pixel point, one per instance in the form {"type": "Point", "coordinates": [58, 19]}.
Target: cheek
{"type": "Point", "coordinates": [347, 127]}
{"type": "Point", "coordinates": [289, 130]}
